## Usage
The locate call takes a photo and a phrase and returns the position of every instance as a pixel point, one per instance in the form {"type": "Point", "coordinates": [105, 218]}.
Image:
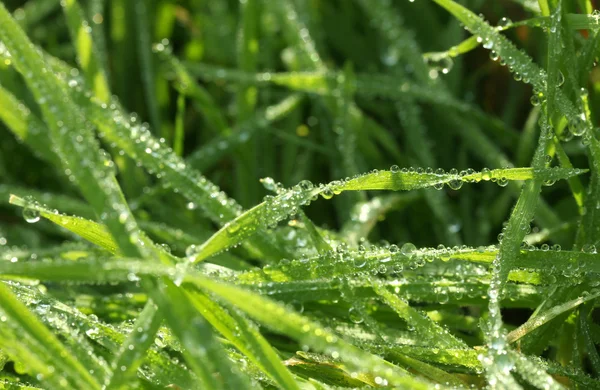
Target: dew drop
{"type": "Point", "coordinates": [31, 215]}
{"type": "Point", "coordinates": [191, 250]}
{"type": "Point", "coordinates": [395, 168]}
{"type": "Point", "coordinates": [408, 249]}
{"type": "Point", "coordinates": [306, 185]}
{"type": "Point", "coordinates": [355, 315]}
{"type": "Point", "coordinates": [327, 193]}
{"type": "Point", "coordinates": [504, 22]}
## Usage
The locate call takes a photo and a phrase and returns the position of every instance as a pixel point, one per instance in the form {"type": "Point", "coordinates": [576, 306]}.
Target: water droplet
{"type": "Point", "coordinates": [31, 215]}
{"type": "Point", "coordinates": [355, 315]}
{"type": "Point", "coordinates": [306, 185]}
{"type": "Point", "coordinates": [327, 193]}
{"type": "Point", "coordinates": [395, 168]}
{"type": "Point", "coordinates": [441, 64]}
{"type": "Point", "coordinates": [504, 23]}
{"type": "Point", "coordinates": [502, 182]}
{"type": "Point", "coordinates": [191, 250]}
{"type": "Point", "coordinates": [408, 249]}
{"type": "Point", "coordinates": [589, 248]}
{"type": "Point", "coordinates": [494, 55]}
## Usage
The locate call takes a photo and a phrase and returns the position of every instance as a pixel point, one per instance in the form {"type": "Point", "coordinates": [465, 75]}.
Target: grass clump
{"type": "Point", "coordinates": [166, 159]}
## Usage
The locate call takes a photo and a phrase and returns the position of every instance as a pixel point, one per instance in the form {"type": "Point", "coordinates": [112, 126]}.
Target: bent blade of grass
{"type": "Point", "coordinates": [91, 231]}
{"type": "Point", "coordinates": [50, 350]}
{"type": "Point", "coordinates": [274, 210]}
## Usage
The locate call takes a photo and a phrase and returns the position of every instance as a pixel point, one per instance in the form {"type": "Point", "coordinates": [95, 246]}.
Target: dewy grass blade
{"type": "Point", "coordinates": [72, 137]}
{"type": "Point", "coordinates": [26, 126]}
{"type": "Point", "coordinates": [86, 51]}
{"type": "Point", "coordinates": [59, 361]}
{"type": "Point", "coordinates": [276, 209]}
{"type": "Point", "coordinates": [93, 232]}
{"type": "Point", "coordinates": [542, 318]}
{"type": "Point", "coordinates": [244, 335]}
{"type": "Point", "coordinates": [132, 352]}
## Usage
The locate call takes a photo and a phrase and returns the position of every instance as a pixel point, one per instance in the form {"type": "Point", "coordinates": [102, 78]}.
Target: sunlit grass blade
{"type": "Point", "coordinates": [93, 232]}
{"type": "Point", "coordinates": [542, 318]}
{"type": "Point", "coordinates": [274, 210]}
{"type": "Point", "coordinates": [202, 351]}
{"type": "Point", "coordinates": [430, 330]}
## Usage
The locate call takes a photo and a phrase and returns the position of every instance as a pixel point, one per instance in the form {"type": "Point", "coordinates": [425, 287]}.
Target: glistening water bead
{"type": "Point", "coordinates": [31, 215]}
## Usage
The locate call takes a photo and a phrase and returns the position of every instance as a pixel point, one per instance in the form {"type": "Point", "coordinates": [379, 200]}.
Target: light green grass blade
{"type": "Point", "coordinates": [87, 55]}
{"type": "Point", "coordinates": [274, 210]}
{"type": "Point", "coordinates": [91, 231]}
{"type": "Point", "coordinates": [427, 328]}
{"type": "Point", "coordinates": [202, 351]}
{"type": "Point", "coordinates": [542, 318]}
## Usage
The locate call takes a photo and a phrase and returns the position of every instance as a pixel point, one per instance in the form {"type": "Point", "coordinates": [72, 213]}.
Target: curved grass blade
{"type": "Point", "coordinates": [91, 231]}
{"type": "Point", "coordinates": [274, 210]}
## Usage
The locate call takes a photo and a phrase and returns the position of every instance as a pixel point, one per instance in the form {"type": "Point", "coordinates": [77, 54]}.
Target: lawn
{"type": "Point", "coordinates": [299, 194]}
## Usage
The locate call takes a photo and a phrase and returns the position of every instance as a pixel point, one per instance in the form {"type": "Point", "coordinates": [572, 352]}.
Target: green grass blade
{"type": "Point", "coordinates": [243, 334]}
{"type": "Point", "coordinates": [132, 351]}
{"type": "Point", "coordinates": [50, 351]}
{"type": "Point", "coordinates": [274, 210]}
{"type": "Point", "coordinates": [87, 55]}
{"type": "Point", "coordinates": [80, 153]}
